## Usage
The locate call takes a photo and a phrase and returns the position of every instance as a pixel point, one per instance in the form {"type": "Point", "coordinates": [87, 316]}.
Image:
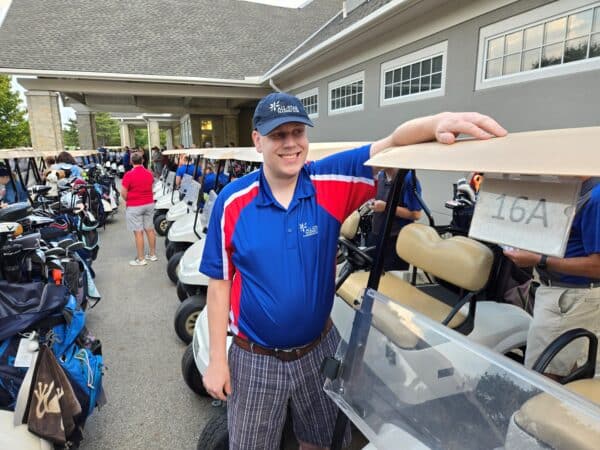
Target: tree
{"type": "Point", "coordinates": [14, 128]}
{"type": "Point", "coordinates": [71, 134]}
{"type": "Point", "coordinates": [107, 130]}
{"type": "Point", "coordinates": [141, 137]}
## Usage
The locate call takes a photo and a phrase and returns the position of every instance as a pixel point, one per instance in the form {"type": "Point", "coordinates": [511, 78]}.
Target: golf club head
{"type": "Point", "coordinates": [65, 243]}
{"type": "Point", "coordinates": [75, 246]}
{"type": "Point", "coordinates": [55, 251]}
{"type": "Point", "coordinates": [38, 256]}
{"type": "Point", "coordinates": [54, 263]}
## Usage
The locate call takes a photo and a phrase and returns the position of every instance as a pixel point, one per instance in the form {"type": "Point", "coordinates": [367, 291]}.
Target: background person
{"type": "Point", "coordinates": [570, 295]}
{"type": "Point", "coordinates": [8, 193]}
{"type": "Point", "coordinates": [137, 191]}
{"type": "Point", "coordinates": [65, 161]}
{"type": "Point", "coordinates": [407, 211]}
{"type": "Point", "coordinates": [276, 288]}
{"type": "Point", "coordinates": [186, 168]}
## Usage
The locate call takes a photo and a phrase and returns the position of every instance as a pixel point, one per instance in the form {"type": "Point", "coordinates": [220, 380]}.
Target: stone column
{"type": "Point", "coordinates": [169, 143]}
{"type": "Point", "coordinates": [44, 120]}
{"type": "Point", "coordinates": [153, 134]}
{"type": "Point", "coordinates": [125, 135]}
{"type": "Point", "coordinates": [86, 125]}
{"type": "Point", "coordinates": [131, 137]}
{"type": "Point", "coordinates": [231, 130]}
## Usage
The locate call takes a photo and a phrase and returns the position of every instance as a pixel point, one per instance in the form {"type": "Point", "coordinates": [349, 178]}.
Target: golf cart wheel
{"type": "Point", "coordinates": [191, 375]}
{"type": "Point", "coordinates": [161, 225]}
{"type": "Point", "coordinates": [181, 292]}
{"type": "Point", "coordinates": [215, 435]}
{"type": "Point", "coordinates": [172, 266]}
{"type": "Point", "coordinates": [189, 290]}
{"type": "Point", "coordinates": [176, 247]}
{"type": "Point", "coordinates": [186, 315]}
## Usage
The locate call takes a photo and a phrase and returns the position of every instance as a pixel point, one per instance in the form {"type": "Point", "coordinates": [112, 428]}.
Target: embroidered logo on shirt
{"type": "Point", "coordinates": [281, 109]}
{"type": "Point", "coordinates": [308, 231]}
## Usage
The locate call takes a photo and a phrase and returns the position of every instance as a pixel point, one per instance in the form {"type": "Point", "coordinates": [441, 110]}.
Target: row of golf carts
{"type": "Point", "coordinates": [51, 365]}
{"type": "Point", "coordinates": [431, 357]}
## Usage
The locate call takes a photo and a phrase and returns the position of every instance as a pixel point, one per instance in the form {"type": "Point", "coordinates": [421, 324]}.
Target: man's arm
{"type": "Point", "coordinates": [217, 379]}
{"type": "Point", "coordinates": [443, 127]}
{"type": "Point", "coordinates": [123, 193]}
{"type": "Point", "coordinates": [582, 266]}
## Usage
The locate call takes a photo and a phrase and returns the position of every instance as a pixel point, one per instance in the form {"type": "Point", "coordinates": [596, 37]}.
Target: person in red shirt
{"type": "Point", "coordinates": [137, 191]}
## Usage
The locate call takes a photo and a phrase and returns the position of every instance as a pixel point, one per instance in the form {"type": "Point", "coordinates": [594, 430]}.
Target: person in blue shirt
{"type": "Point", "coordinates": [270, 257]}
{"type": "Point", "coordinates": [187, 168]}
{"type": "Point", "coordinates": [65, 161]}
{"type": "Point", "coordinates": [8, 193]}
{"type": "Point", "coordinates": [407, 211]}
{"type": "Point", "coordinates": [570, 293]}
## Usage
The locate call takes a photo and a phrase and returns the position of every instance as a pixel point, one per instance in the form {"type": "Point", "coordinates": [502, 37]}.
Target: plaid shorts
{"type": "Point", "coordinates": [140, 217]}
{"type": "Point", "coordinates": [262, 388]}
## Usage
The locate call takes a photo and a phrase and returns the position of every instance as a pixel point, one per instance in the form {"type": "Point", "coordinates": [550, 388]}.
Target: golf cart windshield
{"type": "Point", "coordinates": [425, 386]}
{"type": "Point", "coordinates": [408, 381]}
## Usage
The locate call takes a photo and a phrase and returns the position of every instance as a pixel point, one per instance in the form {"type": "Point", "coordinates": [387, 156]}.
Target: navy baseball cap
{"type": "Point", "coordinates": [276, 109]}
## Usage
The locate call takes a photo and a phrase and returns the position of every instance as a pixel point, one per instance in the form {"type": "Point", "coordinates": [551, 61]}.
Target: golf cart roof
{"type": "Point", "coordinates": [319, 150]}
{"type": "Point", "coordinates": [316, 151]}
{"type": "Point", "coordinates": [25, 152]}
{"type": "Point", "coordinates": [184, 151]}
{"type": "Point", "coordinates": [564, 152]}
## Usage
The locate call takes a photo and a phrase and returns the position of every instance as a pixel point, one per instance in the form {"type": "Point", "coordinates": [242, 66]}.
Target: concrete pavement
{"type": "Point", "coordinates": [149, 404]}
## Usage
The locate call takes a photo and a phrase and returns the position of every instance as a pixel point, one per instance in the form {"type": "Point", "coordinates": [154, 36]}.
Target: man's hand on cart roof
{"type": "Point", "coordinates": [443, 127]}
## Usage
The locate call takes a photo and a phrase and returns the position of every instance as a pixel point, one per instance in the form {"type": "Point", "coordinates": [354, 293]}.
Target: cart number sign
{"type": "Point", "coordinates": [528, 214]}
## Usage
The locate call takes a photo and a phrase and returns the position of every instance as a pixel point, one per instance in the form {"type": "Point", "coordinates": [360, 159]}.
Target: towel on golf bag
{"type": "Point", "coordinates": [52, 406]}
{"type": "Point", "coordinates": [11, 377]}
{"type": "Point", "coordinates": [24, 304]}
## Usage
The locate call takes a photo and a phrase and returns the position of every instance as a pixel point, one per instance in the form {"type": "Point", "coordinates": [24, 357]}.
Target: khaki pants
{"type": "Point", "coordinates": [558, 310]}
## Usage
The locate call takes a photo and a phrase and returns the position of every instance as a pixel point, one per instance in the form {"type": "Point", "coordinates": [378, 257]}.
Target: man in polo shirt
{"type": "Point", "coordinates": [186, 168]}
{"type": "Point", "coordinates": [270, 256]}
{"type": "Point", "coordinates": [137, 191]}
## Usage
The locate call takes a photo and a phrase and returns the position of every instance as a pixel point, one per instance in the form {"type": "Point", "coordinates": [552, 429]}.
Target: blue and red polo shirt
{"type": "Point", "coordinates": [282, 261]}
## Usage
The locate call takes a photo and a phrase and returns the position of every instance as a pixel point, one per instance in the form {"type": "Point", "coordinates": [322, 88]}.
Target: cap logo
{"type": "Point", "coordinates": [278, 108]}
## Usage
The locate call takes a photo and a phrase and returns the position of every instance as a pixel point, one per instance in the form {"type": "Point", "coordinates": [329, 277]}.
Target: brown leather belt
{"type": "Point", "coordinates": [287, 354]}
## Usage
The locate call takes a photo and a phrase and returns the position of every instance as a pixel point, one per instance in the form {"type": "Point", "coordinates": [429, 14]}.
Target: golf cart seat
{"type": "Point", "coordinates": [549, 424]}
{"type": "Point", "coordinates": [14, 212]}
{"type": "Point", "coordinates": [458, 260]}
{"type": "Point", "coordinates": [350, 226]}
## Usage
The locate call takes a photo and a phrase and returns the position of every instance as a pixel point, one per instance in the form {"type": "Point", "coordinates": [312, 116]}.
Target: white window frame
{"type": "Point", "coordinates": [536, 16]}
{"type": "Point", "coordinates": [310, 93]}
{"type": "Point", "coordinates": [420, 55]}
{"type": "Point", "coordinates": [355, 77]}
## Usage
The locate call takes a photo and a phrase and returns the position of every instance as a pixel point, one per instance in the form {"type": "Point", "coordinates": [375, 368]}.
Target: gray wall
{"type": "Point", "coordinates": [556, 102]}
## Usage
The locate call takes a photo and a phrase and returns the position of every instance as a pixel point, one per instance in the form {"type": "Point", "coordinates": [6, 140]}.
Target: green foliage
{"type": "Point", "coordinates": [141, 137]}
{"type": "Point", "coordinates": [107, 130]}
{"type": "Point", "coordinates": [71, 134]}
{"type": "Point", "coordinates": [14, 128]}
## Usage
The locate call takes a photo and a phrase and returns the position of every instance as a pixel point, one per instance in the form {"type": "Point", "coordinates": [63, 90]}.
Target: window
{"type": "Point", "coordinates": [415, 76]}
{"type": "Point", "coordinates": [346, 95]}
{"type": "Point", "coordinates": [310, 100]}
{"type": "Point", "coordinates": [546, 42]}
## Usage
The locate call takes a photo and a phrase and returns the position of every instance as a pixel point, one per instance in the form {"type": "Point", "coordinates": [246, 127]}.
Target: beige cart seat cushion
{"type": "Point", "coordinates": [401, 292]}
{"type": "Point", "coordinates": [459, 260]}
{"type": "Point", "coordinates": [350, 226]}
{"type": "Point", "coordinates": [549, 421]}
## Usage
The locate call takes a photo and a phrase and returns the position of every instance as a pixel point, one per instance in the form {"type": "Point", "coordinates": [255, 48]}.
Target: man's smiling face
{"type": "Point", "coordinates": [284, 150]}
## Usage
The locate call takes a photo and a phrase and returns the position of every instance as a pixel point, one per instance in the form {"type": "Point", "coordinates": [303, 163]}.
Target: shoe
{"type": "Point", "coordinates": [138, 262]}
{"type": "Point", "coordinates": [152, 257]}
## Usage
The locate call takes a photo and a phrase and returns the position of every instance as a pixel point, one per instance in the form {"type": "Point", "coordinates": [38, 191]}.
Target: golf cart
{"type": "Point", "coordinates": [430, 384]}
{"type": "Point", "coordinates": [169, 196]}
